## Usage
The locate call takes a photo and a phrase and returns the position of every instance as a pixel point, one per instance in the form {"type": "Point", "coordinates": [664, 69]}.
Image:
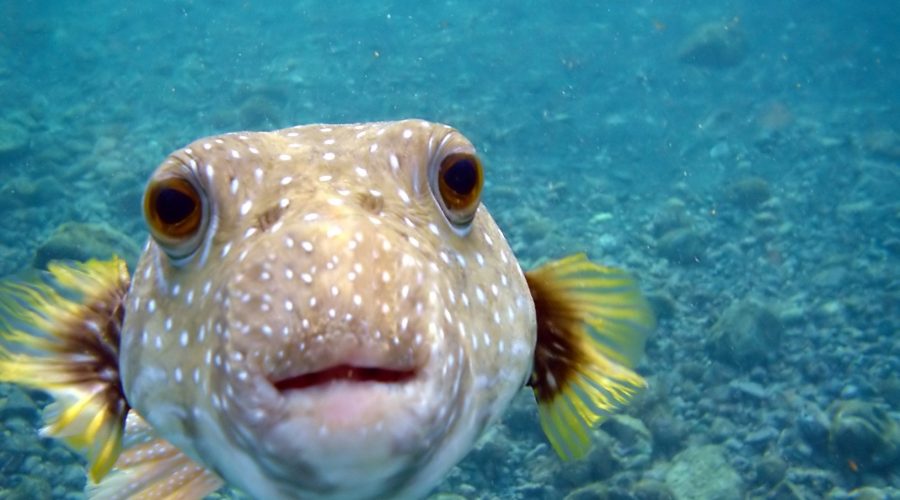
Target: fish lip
{"type": "Point", "coordinates": [344, 373]}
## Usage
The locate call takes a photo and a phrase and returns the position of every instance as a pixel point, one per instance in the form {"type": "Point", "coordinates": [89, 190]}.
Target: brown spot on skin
{"type": "Point", "coordinates": [555, 354]}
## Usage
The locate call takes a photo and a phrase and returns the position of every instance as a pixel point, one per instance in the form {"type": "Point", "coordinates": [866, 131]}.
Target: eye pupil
{"type": "Point", "coordinates": [174, 206]}
{"type": "Point", "coordinates": [461, 176]}
{"type": "Point", "coordinates": [459, 182]}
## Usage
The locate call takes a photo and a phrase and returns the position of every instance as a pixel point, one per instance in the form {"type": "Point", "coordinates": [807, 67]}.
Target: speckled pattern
{"type": "Point", "coordinates": [325, 246]}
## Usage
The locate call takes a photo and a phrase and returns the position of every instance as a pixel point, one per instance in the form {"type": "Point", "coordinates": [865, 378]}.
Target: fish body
{"type": "Point", "coordinates": [328, 311]}
{"type": "Point", "coordinates": [326, 248]}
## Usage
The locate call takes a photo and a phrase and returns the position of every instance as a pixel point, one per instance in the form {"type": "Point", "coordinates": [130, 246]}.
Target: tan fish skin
{"type": "Point", "coordinates": [326, 246]}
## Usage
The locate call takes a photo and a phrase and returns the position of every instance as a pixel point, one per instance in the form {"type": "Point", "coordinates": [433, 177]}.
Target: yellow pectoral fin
{"type": "Point", "coordinates": [592, 325]}
{"type": "Point", "coordinates": [60, 334]}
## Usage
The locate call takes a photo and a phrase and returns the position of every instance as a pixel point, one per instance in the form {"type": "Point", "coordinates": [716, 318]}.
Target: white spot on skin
{"type": "Point", "coordinates": [246, 206]}
{"type": "Point", "coordinates": [328, 156]}
{"type": "Point", "coordinates": [284, 157]}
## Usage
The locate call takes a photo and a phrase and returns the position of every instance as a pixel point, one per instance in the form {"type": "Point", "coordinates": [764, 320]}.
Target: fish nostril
{"type": "Point", "coordinates": [270, 217]}
{"type": "Point", "coordinates": [371, 202]}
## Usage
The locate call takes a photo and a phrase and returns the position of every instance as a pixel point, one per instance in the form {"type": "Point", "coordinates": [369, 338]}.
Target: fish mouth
{"type": "Point", "coordinates": [344, 373]}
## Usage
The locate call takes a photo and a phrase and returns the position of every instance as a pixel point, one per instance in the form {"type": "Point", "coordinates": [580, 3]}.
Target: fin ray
{"type": "Point", "coordinates": [61, 335]}
{"type": "Point", "coordinates": [592, 325]}
{"type": "Point", "coordinates": [151, 468]}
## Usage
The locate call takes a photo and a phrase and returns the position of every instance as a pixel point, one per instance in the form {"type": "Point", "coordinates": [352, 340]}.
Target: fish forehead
{"type": "Point", "coordinates": [324, 158]}
{"type": "Point", "coordinates": [338, 221]}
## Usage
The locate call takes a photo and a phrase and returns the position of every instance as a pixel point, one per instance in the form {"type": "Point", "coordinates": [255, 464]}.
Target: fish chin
{"type": "Point", "coordinates": [357, 425]}
{"type": "Point", "coordinates": [342, 437]}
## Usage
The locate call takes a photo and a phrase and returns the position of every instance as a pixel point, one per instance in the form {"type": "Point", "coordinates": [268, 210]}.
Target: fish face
{"type": "Point", "coordinates": [325, 310]}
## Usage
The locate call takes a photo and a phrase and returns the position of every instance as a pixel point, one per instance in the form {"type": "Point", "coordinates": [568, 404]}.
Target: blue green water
{"type": "Point", "coordinates": [768, 176]}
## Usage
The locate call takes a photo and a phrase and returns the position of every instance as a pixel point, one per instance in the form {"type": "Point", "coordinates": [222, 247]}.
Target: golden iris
{"type": "Point", "coordinates": [173, 208]}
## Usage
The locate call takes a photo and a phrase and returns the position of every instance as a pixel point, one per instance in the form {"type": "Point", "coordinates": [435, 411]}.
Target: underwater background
{"type": "Point", "coordinates": [742, 158]}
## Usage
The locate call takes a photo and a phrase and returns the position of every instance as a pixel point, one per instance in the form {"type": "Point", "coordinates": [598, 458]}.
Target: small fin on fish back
{"type": "Point", "coordinates": [151, 468]}
{"type": "Point", "coordinates": [592, 325]}
{"type": "Point", "coordinates": [60, 334]}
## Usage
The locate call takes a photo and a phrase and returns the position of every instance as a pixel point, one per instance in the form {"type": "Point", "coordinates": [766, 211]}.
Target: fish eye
{"type": "Point", "coordinates": [459, 181]}
{"type": "Point", "coordinates": [174, 210]}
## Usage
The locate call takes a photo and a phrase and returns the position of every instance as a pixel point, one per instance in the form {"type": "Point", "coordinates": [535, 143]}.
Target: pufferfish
{"type": "Point", "coordinates": [324, 311]}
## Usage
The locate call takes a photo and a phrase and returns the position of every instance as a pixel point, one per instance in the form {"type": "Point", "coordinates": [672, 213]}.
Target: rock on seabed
{"type": "Point", "coordinates": [703, 473]}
